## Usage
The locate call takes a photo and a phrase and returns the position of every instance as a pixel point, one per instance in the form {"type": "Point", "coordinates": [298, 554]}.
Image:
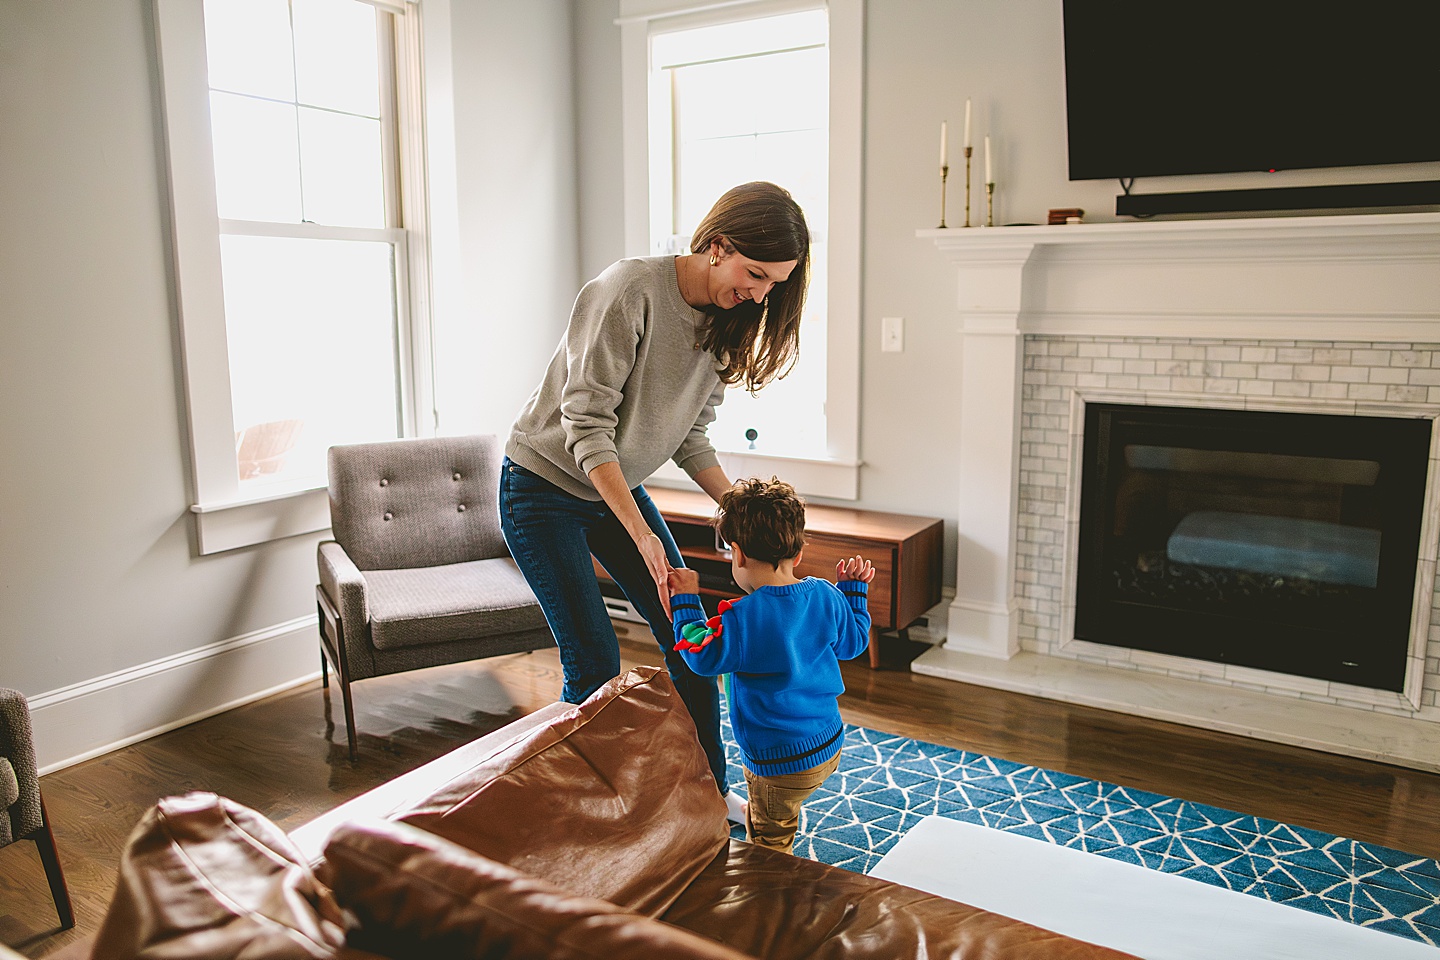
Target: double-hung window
{"type": "Point", "coordinates": [761, 90]}
{"type": "Point", "coordinates": [294, 145]}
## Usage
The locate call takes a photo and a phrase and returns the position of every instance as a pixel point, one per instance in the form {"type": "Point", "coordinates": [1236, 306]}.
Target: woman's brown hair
{"type": "Point", "coordinates": [758, 342]}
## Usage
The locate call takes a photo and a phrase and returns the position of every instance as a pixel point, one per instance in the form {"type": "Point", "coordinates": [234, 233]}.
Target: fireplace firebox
{"type": "Point", "coordinates": [1285, 542]}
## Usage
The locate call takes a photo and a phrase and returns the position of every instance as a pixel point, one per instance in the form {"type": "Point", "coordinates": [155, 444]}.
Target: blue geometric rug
{"type": "Point", "coordinates": [886, 783]}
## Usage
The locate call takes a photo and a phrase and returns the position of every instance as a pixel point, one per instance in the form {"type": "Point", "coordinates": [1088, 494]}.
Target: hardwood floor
{"type": "Point", "coordinates": [285, 756]}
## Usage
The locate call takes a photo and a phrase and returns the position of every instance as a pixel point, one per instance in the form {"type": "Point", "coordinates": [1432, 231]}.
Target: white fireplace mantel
{"type": "Point", "coordinates": [1366, 278]}
{"type": "Point", "coordinates": [1329, 277]}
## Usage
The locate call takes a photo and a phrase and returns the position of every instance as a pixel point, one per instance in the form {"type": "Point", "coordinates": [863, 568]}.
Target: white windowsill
{"type": "Point", "coordinates": [244, 523]}
{"type": "Point", "coordinates": [831, 478]}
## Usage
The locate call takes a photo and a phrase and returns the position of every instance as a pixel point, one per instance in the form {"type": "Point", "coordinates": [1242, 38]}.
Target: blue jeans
{"type": "Point", "coordinates": [552, 535]}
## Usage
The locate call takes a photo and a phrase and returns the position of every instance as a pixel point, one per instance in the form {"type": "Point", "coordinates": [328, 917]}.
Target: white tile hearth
{"type": "Point", "coordinates": [1228, 709]}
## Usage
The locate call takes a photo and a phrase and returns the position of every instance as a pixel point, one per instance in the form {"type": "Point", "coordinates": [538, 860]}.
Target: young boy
{"type": "Point", "coordinates": [782, 646]}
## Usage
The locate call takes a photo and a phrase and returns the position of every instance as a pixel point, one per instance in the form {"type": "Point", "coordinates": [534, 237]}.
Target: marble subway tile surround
{"type": "Point", "coordinates": [1198, 372]}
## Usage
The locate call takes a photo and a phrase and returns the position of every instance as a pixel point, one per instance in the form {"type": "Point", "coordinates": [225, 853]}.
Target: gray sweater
{"type": "Point", "coordinates": [628, 382]}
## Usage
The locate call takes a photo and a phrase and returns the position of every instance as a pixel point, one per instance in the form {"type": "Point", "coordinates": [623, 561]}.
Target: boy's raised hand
{"type": "Point", "coordinates": [855, 568]}
{"type": "Point", "coordinates": [683, 580]}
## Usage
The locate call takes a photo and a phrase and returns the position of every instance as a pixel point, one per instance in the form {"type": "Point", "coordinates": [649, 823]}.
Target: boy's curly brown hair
{"type": "Point", "coordinates": [766, 518]}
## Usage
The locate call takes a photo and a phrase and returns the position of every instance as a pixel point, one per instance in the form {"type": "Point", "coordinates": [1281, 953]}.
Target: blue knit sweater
{"type": "Point", "coordinates": [782, 647]}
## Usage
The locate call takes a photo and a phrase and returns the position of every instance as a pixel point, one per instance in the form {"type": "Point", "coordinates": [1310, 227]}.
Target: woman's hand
{"type": "Point", "coordinates": [609, 482]}
{"type": "Point", "coordinates": [652, 549]}
{"type": "Point", "coordinates": [855, 568]}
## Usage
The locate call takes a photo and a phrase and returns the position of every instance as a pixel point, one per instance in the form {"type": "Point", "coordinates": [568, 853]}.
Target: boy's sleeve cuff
{"type": "Point", "coordinates": [689, 604]}
{"type": "Point", "coordinates": [856, 593]}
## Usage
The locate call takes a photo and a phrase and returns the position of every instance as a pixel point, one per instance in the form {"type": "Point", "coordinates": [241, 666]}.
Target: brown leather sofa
{"type": "Point", "coordinates": [578, 832]}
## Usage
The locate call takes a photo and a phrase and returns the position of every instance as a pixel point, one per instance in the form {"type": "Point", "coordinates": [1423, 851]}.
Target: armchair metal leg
{"type": "Point", "coordinates": [45, 840]}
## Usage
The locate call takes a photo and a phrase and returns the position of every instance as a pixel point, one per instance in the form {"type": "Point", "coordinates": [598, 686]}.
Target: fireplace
{"type": "Point", "coordinates": [1284, 542]}
{"type": "Point", "coordinates": [1337, 316]}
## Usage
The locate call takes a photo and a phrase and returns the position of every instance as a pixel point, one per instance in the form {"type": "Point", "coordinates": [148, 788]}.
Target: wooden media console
{"type": "Point", "coordinates": [906, 551]}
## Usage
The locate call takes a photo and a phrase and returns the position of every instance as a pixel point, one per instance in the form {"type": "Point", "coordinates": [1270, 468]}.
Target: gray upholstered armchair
{"type": "Point", "coordinates": [418, 574]}
{"type": "Point", "coordinates": [24, 809]}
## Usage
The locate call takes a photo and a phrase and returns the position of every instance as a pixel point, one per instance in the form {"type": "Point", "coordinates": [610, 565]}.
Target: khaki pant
{"type": "Point", "coordinates": [774, 812]}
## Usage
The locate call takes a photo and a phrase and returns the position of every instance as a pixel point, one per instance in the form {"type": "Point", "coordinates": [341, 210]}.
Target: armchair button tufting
{"type": "Point", "coordinates": [461, 508]}
{"type": "Point", "coordinates": [389, 515]}
{"type": "Point", "coordinates": [384, 482]}
{"type": "Point", "coordinates": [457, 476]}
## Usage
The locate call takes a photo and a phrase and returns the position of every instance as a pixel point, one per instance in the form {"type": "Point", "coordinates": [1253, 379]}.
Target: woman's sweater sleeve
{"type": "Point", "coordinates": [600, 345]}
{"type": "Point", "coordinates": [696, 452]}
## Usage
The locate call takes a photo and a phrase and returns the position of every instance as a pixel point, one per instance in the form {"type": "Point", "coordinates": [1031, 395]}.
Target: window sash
{"type": "Point", "coordinates": [227, 515]}
{"type": "Point", "coordinates": [648, 189]}
{"type": "Point", "coordinates": [789, 413]}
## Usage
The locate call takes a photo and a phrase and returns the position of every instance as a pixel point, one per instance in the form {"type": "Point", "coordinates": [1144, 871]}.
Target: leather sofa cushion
{"type": "Point", "coordinates": [612, 800]}
{"type": "Point", "coordinates": [773, 905]}
{"type": "Point", "coordinates": [205, 878]}
{"type": "Point", "coordinates": [414, 894]}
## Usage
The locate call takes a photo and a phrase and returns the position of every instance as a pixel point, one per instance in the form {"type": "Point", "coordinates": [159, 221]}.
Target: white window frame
{"type": "Point", "coordinates": [225, 517]}
{"type": "Point", "coordinates": [837, 475]}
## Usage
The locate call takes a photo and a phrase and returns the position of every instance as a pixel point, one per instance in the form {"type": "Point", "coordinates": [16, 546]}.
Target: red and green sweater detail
{"type": "Point", "coordinates": [697, 635]}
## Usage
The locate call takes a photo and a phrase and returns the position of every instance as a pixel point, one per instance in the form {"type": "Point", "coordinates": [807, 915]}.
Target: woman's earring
{"type": "Point", "coordinates": [713, 261]}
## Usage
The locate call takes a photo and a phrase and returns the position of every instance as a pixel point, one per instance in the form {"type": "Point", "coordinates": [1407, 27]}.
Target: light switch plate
{"type": "Point", "coordinates": [892, 334]}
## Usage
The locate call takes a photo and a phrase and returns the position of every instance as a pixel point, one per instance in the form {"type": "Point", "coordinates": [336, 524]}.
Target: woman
{"type": "Point", "coordinates": [651, 346]}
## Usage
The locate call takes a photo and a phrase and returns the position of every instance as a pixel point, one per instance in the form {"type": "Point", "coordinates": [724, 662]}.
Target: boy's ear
{"type": "Point", "coordinates": [738, 554]}
{"type": "Point", "coordinates": [799, 555]}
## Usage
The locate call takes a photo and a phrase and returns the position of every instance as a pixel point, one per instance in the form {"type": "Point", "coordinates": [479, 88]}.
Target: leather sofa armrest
{"type": "Point", "coordinates": [398, 795]}
{"type": "Point", "coordinates": [612, 800]}
{"type": "Point", "coordinates": [83, 950]}
{"type": "Point", "coordinates": [415, 894]}
{"type": "Point", "coordinates": [205, 878]}
{"type": "Point", "coordinates": [770, 904]}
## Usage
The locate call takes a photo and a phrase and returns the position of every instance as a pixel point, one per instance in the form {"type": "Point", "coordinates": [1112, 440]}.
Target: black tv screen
{"type": "Point", "coordinates": [1161, 87]}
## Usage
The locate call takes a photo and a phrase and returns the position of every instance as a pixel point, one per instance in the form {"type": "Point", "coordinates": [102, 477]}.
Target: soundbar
{"type": "Point", "coordinates": [1407, 194]}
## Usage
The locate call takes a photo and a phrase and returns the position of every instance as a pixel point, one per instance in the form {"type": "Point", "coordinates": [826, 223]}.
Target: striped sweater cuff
{"type": "Point", "coordinates": [686, 606]}
{"type": "Point", "coordinates": [856, 592]}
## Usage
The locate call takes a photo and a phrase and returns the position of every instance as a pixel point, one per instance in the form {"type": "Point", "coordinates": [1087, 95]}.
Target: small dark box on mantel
{"type": "Point", "coordinates": [1064, 215]}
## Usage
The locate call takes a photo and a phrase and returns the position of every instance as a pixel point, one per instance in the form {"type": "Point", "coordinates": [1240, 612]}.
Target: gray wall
{"type": "Point", "coordinates": [98, 574]}
{"type": "Point", "coordinates": [923, 58]}
{"type": "Point", "coordinates": [515, 141]}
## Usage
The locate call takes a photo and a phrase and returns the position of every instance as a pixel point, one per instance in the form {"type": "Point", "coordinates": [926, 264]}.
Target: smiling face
{"type": "Point", "coordinates": [736, 278]}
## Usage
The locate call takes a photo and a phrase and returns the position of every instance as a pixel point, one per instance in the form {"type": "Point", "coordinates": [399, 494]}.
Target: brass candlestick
{"type": "Point", "coordinates": [990, 204]}
{"type": "Point", "coordinates": [944, 175]}
{"type": "Point", "coordinates": [968, 152]}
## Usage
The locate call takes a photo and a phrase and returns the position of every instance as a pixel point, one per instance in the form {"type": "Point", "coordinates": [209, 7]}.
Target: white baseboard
{"type": "Point", "coordinates": [620, 609]}
{"type": "Point", "coordinates": [96, 716]}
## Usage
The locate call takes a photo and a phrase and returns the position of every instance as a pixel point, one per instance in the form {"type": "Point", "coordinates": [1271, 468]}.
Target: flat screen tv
{"type": "Point", "coordinates": [1165, 87]}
